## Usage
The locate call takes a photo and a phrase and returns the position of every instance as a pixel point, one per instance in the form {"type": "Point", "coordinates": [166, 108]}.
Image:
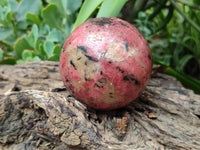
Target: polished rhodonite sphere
{"type": "Point", "coordinates": [105, 63]}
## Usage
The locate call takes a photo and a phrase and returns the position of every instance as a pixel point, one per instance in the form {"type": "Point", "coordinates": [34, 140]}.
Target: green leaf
{"type": "Point", "coordinates": [21, 25]}
{"type": "Point", "coordinates": [44, 29]}
{"type": "Point", "coordinates": [60, 5]}
{"type": "Point", "coordinates": [30, 42]}
{"type": "Point", "coordinates": [39, 48]}
{"type": "Point", "coordinates": [68, 28]}
{"type": "Point", "coordinates": [29, 56]}
{"type": "Point", "coordinates": [32, 19]}
{"type": "Point", "coordinates": [56, 53]}
{"type": "Point", "coordinates": [6, 46]}
{"type": "Point", "coordinates": [10, 16]}
{"type": "Point", "coordinates": [43, 54]}
{"type": "Point", "coordinates": [35, 32]}
{"type": "Point", "coordinates": [38, 42]}
{"type": "Point", "coordinates": [73, 5]}
{"type": "Point", "coordinates": [1, 54]}
{"type": "Point", "coordinates": [36, 58]}
{"type": "Point", "coordinates": [160, 62]}
{"type": "Point", "coordinates": [48, 48]}
{"type": "Point", "coordinates": [54, 58]}
{"type": "Point", "coordinates": [66, 7]}
{"type": "Point", "coordinates": [57, 49]}
{"type": "Point", "coordinates": [26, 55]}
{"type": "Point", "coordinates": [88, 7]}
{"type": "Point", "coordinates": [13, 4]}
{"type": "Point", "coordinates": [31, 6]}
{"type": "Point", "coordinates": [55, 36]}
{"type": "Point", "coordinates": [20, 45]}
{"type": "Point", "coordinates": [4, 33]}
{"type": "Point", "coordinates": [51, 16]}
{"type": "Point", "coordinates": [8, 60]}
{"type": "Point", "coordinates": [111, 8]}
{"type": "Point", "coordinates": [3, 3]}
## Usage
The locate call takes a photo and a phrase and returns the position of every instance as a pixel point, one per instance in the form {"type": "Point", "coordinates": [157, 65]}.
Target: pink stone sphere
{"type": "Point", "coordinates": [105, 63]}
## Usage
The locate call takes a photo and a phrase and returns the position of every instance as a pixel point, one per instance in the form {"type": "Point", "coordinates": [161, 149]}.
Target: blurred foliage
{"type": "Point", "coordinates": [35, 30]}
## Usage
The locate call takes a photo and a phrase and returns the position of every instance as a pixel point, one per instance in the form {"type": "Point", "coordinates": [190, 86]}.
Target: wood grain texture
{"type": "Point", "coordinates": [36, 112]}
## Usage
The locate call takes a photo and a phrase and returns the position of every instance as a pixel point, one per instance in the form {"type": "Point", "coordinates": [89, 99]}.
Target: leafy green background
{"type": "Point", "coordinates": [35, 30]}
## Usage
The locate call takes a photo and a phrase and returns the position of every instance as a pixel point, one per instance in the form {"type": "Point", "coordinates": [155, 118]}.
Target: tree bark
{"type": "Point", "coordinates": [36, 112]}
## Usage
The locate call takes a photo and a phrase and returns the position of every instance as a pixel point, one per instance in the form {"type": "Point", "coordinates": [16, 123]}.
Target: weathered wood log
{"type": "Point", "coordinates": [36, 112]}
